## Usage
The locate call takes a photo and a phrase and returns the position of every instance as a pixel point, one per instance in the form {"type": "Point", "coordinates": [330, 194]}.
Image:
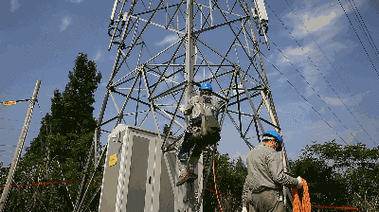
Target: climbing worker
{"type": "Point", "coordinates": [265, 178]}
{"type": "Point", "coordinates": [203, 130]}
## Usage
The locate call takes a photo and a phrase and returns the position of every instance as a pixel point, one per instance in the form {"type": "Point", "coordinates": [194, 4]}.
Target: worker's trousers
{"type": "Point", "coordinates": [268, 201]}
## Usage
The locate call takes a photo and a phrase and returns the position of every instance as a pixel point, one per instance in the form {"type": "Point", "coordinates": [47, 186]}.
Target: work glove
{"type": "Point", "coordinates": [299, 182]}
{"type": "Point", "coordinates": [182, 109]}
{"type": "Point", "coordinates": [244, 209]}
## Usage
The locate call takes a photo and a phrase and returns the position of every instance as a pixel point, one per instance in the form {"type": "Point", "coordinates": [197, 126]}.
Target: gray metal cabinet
{"type": "Point", "coordinates": [137, 177]}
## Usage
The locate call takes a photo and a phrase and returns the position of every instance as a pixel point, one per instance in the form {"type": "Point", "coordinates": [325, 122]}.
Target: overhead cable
{"type": "Point", "coordinates": [322, 75]}
{"type": "Point", "coordinates": [364, 28]}
{"type": "Point", "coordinates": [335, 70]}
{"type": "Point", "coordinates": [19, 130]}
{"type": "Point", "coordinates": [16, 120]}
{"type": "Point", "coordinates": [355, 31]}
{"type": "Point", "coordinates": [302, 96]}
{"type": "Point", "coordinates": [314, 90]}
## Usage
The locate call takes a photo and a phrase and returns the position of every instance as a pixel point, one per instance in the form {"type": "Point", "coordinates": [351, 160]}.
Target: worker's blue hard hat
{"type": "Point", "coordinates": [276, 135]}
{"type": "Point", "coordinates": [206, 86]}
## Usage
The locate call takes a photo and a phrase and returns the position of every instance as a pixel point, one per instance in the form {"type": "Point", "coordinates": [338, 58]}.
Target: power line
{"type": "Point", "coordinates": [334, 69]}
{"type": "Point", "coordinates": [302, 96]}
{"type": "Point", "coordinates": [318, 95]}
{"type": "Point", "coordinates": [363, 28]}
{"type": "Point", "coordinates": [3, 150]}
{"type": "Point", "coordinates": [16, 120]}
{"type": "Point", "coordinates": [302, 76]}
{"type": "Point", "coordinates": [2, 128]}
{"type": "Point", "coordinates": [355, 31]}
{"type": "Point", "coordinates": [322, 75]}
{"type": "Point", "coordinates": [8, 145]}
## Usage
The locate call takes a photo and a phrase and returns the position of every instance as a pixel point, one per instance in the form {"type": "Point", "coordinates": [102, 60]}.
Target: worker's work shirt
{"type": "Point", "coordinates": [265, 170]}
{"type": "Point", "coordinates": [209, 102]}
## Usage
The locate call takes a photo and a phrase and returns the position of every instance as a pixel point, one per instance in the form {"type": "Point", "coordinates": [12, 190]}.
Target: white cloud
{"type": "Point", "coordinates": [299, 51]}
{"type": "Point", "coordinates": [317, 23]}
{"type": "Point", "coordinates": [348, 100]}
{"type": "Point", "coordinates": [298, 55]}
{"type": "Point", "coordinates": [14, 5]}
{"type": "Point", "coordinates": [65, 22]}
{"type": "Point", "coordinates": [359, 97]}
{"type": "Point", "coordinates": [98, 55]}
{"type": "Point", "coordinates": [308, 60]}
{"type": "Point", "coordinates": [321, 132]}
{"type": "Point", "coordinates": [315, 18]}
{"type": "Point", "coordinates": [168, 40]}
{"type": "Point", "coordinates": [334, 101]}
{"type": "Point", "coordinates": [238, 154]}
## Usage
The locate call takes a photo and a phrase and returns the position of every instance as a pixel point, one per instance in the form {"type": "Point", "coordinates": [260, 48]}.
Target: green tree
{"type": "Point", "coordinates": [61, 147]}
{"type": "Point", "coordinates": [326, 187]}
{"type": "Point", "coordinates": [346, 175]}
{"type": "Point", "coordinates": [230, 177]}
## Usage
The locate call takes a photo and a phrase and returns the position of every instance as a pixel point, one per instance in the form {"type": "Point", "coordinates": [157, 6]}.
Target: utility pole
{"type": "Point", "coordinates": [20, 145]}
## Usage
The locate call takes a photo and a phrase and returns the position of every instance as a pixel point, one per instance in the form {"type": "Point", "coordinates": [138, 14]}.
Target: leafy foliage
{"type": "Point", "coordinates": [60, 150]}
{"type": "Point", "coordinates": [337, 176]}
{"type": "Point", "coordinates": [230, 177]}
{"type": "Point", "coordinates": [341, 175]}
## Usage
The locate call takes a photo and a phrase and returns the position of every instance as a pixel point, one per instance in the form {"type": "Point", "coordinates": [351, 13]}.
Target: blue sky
{"type": "Point", "coordinates": [324, 61]}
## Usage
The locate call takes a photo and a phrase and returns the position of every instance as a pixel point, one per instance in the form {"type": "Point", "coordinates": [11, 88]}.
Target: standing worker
{"type": "Point", "coordinates": [203, 130]}
{"type": "Point", "coordinates": [265, 178]}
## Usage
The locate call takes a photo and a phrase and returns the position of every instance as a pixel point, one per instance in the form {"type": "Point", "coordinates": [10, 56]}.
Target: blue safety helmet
{"type": "Point", "coordinates": [276, 135]}
{"type": "Point", "coordinates": [206, 86]}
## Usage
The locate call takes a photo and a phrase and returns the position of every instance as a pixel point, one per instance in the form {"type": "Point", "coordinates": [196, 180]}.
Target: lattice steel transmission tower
{"type": "Point", "coordinates": [166, 49]}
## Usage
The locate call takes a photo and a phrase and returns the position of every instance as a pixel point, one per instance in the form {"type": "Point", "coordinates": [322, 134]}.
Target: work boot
{"type": "Point", "coordinates": [184, 157]}
{"type": "Point", "coordinates": [190, 177]}
{"type": "Point", "coordinates": [208, 149]}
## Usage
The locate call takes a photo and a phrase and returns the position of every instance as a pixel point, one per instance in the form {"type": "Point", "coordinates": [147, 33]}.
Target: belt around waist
{"type": "Point", "coordinates": [262, 189]}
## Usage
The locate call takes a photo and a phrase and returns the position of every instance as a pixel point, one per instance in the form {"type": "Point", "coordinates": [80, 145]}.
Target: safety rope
{"type": "Point", "coordinates": [223, 193]}
{"type": "Point", "coordinates": [305, 204]}
{"type": "Point", "coordinates": [47, 183]}
{"type": "Point", "coordinates": [336, 207]}
{"type": "Point", "coordinates": [214, 180]}
{"type": "Point", "coordinates": [198, 186]}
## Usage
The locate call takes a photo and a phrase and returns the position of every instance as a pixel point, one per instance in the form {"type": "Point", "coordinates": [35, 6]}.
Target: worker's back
{"type": "Point", "coordinates": [260, 162]}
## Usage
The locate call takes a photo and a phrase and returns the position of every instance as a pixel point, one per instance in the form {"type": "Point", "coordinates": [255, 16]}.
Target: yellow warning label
{"type": "Point", "coordinates": [112, 160]}
{"type": "Point", "coordinates": [9, 103]}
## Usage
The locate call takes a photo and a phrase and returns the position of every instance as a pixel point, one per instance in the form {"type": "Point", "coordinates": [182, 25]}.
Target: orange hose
{"type": "Point", "coordinates": [305, 204]}
{"type": "Point", "coordinates": [214, 180]}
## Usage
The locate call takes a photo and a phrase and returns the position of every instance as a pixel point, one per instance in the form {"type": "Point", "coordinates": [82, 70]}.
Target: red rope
{"type": "Point", "coordinates": [337, 207]}
{"type": "Point", "coordinates": [211, 190]}
{"type": "Point", "coordinates": [47, 183]}
{"type": "Point", "coordinates": [214, 180]}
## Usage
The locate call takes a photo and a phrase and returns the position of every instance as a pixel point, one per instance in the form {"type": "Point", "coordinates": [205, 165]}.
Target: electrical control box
{"type": "Point", "coordinates": [137, 176]}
